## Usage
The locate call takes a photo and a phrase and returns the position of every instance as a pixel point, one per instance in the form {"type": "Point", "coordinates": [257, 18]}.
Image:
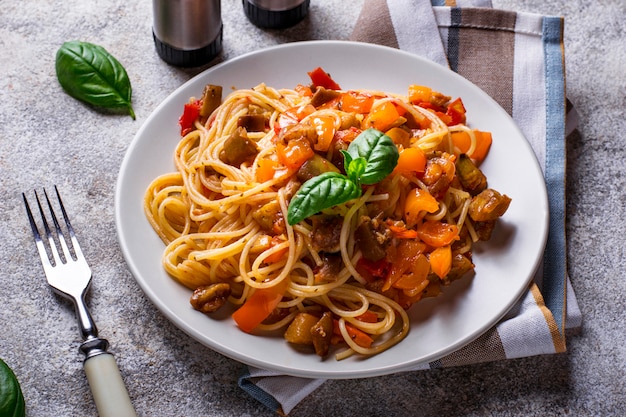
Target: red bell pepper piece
{"type": "Point", "coordinates": [372, 270]}
{"type": "Point", "coordinates": [456, 111]}
{"type": "Point", "coordinates": [321, 78]}
{"type": "Point", "coordinates": [190, 113]}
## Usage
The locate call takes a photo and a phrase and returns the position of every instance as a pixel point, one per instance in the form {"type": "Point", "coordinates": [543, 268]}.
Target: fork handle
{"type": "Point", "coordinates": [107, 386]}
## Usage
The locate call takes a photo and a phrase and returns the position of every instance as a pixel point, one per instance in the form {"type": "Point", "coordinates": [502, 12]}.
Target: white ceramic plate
{"type": "Point", "coordinates": [439, 326]}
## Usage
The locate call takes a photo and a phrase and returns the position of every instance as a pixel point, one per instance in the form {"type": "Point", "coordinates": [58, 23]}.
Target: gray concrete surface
{"type": "Point", "coordinates": [47, 137]}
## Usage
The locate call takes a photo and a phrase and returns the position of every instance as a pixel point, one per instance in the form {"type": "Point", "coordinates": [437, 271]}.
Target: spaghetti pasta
{"type": "Point", "coordinates": [226, 214]}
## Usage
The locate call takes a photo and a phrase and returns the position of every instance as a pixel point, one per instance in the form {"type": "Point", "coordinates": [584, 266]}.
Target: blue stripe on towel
{"type": "Point", "coordinates": [258, 393]}
{"type": "Point", "coordinates": [453, 39]}
{"type": "Point", "coordinates": [555, 269]}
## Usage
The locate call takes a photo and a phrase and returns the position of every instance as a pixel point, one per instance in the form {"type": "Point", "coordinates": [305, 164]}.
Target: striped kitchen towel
{"type": "Point", "coordinates": [518, 59]}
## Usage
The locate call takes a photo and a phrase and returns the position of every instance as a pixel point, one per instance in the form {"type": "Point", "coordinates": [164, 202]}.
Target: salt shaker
{"type": "Point", "coordinates": [275, 14]}
{"type": "Point", "coordinates": [187, 33]}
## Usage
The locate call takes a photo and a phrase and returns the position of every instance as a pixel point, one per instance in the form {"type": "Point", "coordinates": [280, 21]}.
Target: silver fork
{"type": "Point", "coordinates": [69, 275]}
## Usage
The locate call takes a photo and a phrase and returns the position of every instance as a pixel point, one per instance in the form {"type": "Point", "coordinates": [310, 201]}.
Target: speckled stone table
{"type": "Point", "coordinates": [46, 137]}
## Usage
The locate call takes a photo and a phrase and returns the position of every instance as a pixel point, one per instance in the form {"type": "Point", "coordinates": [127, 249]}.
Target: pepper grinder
{"type": "Point", "coordinates": [275, 14]}
{"type": "Point", "coordinates": [187, 33]}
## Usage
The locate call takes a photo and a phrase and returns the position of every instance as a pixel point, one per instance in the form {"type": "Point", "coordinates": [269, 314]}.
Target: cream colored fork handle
{"type": "Point", "coordinates": [107, 387]}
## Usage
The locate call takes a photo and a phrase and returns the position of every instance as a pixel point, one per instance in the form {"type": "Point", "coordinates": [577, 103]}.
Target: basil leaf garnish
{"type": "Point", "coordinates": [89, 73]}
{"type": "Point", "coordinates": [369, 159]}
{"type": "Point", "coordinates": [319, 193]}
{"type": "Point", "coordinates": [355, 169]}
{"type": "Point", "coordinates": [378, 150]}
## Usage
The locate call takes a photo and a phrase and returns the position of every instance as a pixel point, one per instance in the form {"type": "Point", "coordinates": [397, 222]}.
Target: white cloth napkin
{"type": "Point", "coordinates": [517, 58]}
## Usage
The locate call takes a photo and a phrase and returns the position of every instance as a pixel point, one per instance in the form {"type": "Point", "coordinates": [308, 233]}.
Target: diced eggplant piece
{"type": "Point", "coordinates": [326, 233]}
{"type": "Point", "coordinates": [329, 270]}
{"type": "Point", "coordinates": [323, 95]}
{"type": "Point", "coordinates": [292, 187]}
{"type": "Point", "coordinates": [337, 158]}
{"type": "Point", "coordinates": [299, 331]}
{"type": "Point", "coordinates": [461, 265]}
{"type": "Point", "coordinates": [488, 205]}
{"type": "Point", "coordinates": [438, 99]}
{"type": "Point", "coordinates": [298, 131]}
{"type": "Point", "coordinates": [238, 148]}
{"type": "Point", "coordinates": [270, 217]}
{"type": "Point", "coordinates": [210, 298]}
{"type": "Point", "coordinates": [371, 238]}
{"type": "Point", "coordinates": [315, 166]}
{"type": "Point", "coordinates": [252, 122]}
{"type": "Point", "coordinates": [211, 99]}
{"type": "Point", "coordinates": [321, 333]}
{"type": "Point", "coordinates": [348, 120]}
{"type": "Point", "coordinates": [471, 177]}
{"type": "Point", "coordinates": [484, 229]}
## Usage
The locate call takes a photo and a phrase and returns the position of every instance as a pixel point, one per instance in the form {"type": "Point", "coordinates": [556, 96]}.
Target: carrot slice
{"type": "Point", "coordinates": [259, 306]}
{"type": "Point", "coordinates": [358, 336]}
{"type": "Point", "coordinates": [279, 254]}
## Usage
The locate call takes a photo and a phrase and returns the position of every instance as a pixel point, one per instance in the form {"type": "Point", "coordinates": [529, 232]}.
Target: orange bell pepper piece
{"type": "Point", "coordinates": [303, 90]}
{"type": "Point", "coordinates": [441, 261]}
{"type": "Point", "coordinates": [293, 115]}
{"type": "Point", "coordinates": [402, 232]}
{"type": "Point", "coordinates": [418, 200]}
{"type": "Point", "coordinates": [417, 277]}
{"type": "Point", "coordinates": [419, 94]}
{"type": "Point", "coordinates": [410, 160]}
{"type": "Point", "coordinates": [437, 234]}
{"type": "Point", "coordinates": [355, 102]}
{"type": "Point", "coordinates": [368, 317]}
{"type": "Point", "coordinates": [403, 261]}
{"type": "Point", "coordinates": [462, 141]}
{"type": "Point", "coordinates": [266, 168]}
{"type": "Point", "coordinates": [294, 153]}
{"type": "Point", "coordinates": [383, 116]}
{"type": "Point", "coordinates": [325, 128]}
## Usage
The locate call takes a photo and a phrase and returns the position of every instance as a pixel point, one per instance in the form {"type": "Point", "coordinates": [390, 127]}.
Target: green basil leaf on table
{"type": "Point", "coordinates": [378, 150]}
{"type": "Point", "coordinates": [324, 191]}
{"type": "Point", "coordinates": [89, 73]}
{"type": "Point", "coordinates": [11, 399]}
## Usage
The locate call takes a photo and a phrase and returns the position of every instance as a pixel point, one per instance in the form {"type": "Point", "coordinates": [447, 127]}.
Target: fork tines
{"type": "Point", "coordinates": [59, 236]}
